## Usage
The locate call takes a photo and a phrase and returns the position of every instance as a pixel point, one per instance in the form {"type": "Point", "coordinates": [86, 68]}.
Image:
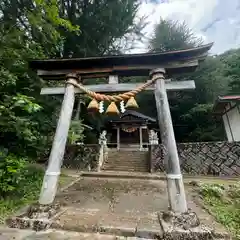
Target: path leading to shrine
{"type": "Point", "coordinates": [113, 206]}
{"type": "Point", "coordinates": [127, 207]}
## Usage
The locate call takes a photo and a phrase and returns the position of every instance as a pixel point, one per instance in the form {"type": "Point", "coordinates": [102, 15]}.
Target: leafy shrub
{"type": "Point", "coordinates": [11, 169]}
{"type": "Point", "coordinates": [224, 204]}
{"type": "Point", "coordinates": [213, 190]}
{"type": "Point", "coordinates": [76, 131]}
{"type": "Point", "coordinates": [32, 174]}
{"type": "Point", "coordinates": [234, 191]}
{"type": "Point", "coordinates": [27, 192]}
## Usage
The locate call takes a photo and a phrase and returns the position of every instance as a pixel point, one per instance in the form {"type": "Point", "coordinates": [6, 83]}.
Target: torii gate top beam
{"type": "Point", "coordinates": [122, 65]}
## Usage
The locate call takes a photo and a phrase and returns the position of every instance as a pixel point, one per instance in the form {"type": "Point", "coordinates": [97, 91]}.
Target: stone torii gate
{"type": "Point", "coordinates": [154, 65]}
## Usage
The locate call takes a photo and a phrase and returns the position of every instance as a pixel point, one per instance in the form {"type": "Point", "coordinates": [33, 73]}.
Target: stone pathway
{"type": "Point", "coordinates": [63, 235]}
{"type": "Point", "coordinates": [16, 234]}
{"type": "Point", "coordinates": [127, 207]}
{"type": "Point", "coordinates": [95, 204]}
{"type": "Point", "coordinates": [152, 176]}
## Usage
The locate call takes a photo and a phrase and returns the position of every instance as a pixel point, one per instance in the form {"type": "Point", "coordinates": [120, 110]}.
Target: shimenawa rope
{"type": "Point", "coordinates": [112, 98]}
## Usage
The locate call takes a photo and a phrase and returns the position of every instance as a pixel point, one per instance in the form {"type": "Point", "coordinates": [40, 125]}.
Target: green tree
{"type": "Point", "coordinates": [45, 29]}
{"type": "Point", "coordinates": [107, 27]}
{"type": "Point", "coordinates": [172, 35]}
{"type": "Point", "coordinates": [191, 109]}
{"type": "Point", "coordinates": [27, 31]}
{"type": "Point", "coordinates": [231, 60]}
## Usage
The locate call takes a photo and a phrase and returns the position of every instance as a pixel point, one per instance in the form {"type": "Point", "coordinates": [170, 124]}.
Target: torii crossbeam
{"type": "Point", "coordinates": [155, 65]}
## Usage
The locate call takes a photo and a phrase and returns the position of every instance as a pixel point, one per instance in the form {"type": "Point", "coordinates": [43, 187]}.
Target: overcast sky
{"type": "Point", "coordinates": [216, 21]}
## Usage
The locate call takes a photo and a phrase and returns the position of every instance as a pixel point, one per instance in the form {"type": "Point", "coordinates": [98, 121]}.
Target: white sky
{"type": "Point", "coordinates": [207, 18]}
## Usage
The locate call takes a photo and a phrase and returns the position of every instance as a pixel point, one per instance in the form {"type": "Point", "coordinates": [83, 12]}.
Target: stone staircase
{"type": "Point", "coordinates": [127, 159]}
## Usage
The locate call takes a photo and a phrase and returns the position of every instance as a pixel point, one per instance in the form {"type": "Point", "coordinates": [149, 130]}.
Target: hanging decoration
{"type": "Point", "coordinates": [131, 103]}
{"type": "Point", "coordinates": [129, 129]}
{"type": "Point", "coordinates": [122, 107]}
{"type": "Point", "coordinates": [101, 107]}
{"type": "Point", "coordinates": [112, 108]}
{"type": "Point", "coordinates": [93, 106]}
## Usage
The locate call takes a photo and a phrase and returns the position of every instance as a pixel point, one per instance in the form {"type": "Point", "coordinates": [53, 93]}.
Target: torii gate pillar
{"type": "Point", "coordinates": [50, 181]}
{"type": "Point", "coordinates": [176, 192]}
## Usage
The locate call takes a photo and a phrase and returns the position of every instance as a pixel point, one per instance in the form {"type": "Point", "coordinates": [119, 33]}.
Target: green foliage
{"type": "Point", "coordinates": [44, 29]}
{"type": "Point", "coordinates": [208, 129]}
{"type": "Point", "coordinates": [224, 204]}
{"type": "Point", "coordinates": [231, 59]}
{"type": "Point", "coordinates": [173, 35]}
{"type": "Point", "coordinates": [47, 29]}
{"type": "Point", "coordinates": [26, 32]}
{"type": "Point", "coordinates": [11, 172]}
{"type": "Point", "coordinates": [234, 191]}
{"type": "Point", "coordinates": [26, 192]}
{"type": "Point", "coordinates": [76, 131]}
{"type": "Point", "coordinates": [51, 13]}
{"type": "Point", "coordinates": [113, 29]}
{"type": "Point", "coordinates": [217, 75]}
{"type": "Point", "coordinates": [213, 190]}
{"type": "Point", "coordinates": [16, 113]}
{"type": "Point", "coordinates": [25, 103]}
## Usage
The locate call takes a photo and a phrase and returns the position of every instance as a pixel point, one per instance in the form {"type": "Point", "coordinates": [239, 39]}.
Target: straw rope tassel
{"type": "Point", "coordinates": [131, 103]}
{"type": "Point", "coordinates": [112, 109]}
{"type": "Point", "coordinates": [93, 106]}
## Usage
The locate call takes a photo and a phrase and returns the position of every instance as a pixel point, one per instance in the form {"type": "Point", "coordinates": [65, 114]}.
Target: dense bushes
{"type": "Point", "coordinates": [16, 174]}
{"type": "Point", "coordinates": [11, 172]}
{"type": "Point", "coordinates": [23, 191]}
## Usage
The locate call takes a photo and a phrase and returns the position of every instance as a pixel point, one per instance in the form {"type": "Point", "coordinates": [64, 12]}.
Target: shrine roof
{"type": "Point", "coordinates": [123, 65]}
{"type": "Point", "coordinates": [222, 102]}
{"type": "Point", "coordinates": [137, 114]}
{"type": "Point", "coordinates": [139, 117]}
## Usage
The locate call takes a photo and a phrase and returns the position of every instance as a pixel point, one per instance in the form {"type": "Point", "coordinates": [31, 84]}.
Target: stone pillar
{"type": "Point", "coordinates": [176, 192]}
{"type": "Point", "coordinates": [140, 138]}
{"type": "Point", "coordinates": [50, 181]}
{"type": "Point", "coordinates": [118, 138]}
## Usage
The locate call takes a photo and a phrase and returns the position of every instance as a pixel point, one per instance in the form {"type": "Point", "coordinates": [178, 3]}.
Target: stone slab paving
{"type": "Point", "coordinates": [16, 234]}
{"type": "Point", "coordinates": [51, 234]}
{"type": "Point", "coordinates": [153, 176]}
{"type": "Point", "coordinates": [127, 207]}
{"type": "Point", "coordinates": [130, 205]}
{"type": "Point", "coordinates": [112, 206]}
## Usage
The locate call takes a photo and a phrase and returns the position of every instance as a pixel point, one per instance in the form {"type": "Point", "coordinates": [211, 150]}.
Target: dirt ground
{"type": "Point", "coordinates": [113, 203]}
{"type": "Point", "coordinates": [119, 203]}
{"type": "Point", "coordinates": [129, 205]}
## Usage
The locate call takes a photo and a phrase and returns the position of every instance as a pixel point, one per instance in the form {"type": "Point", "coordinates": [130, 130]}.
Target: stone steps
{"type": "Point", "coordinates": [131, 160]}
{"type": "Point", "coordinates": [123, 175]}
{"type": "Point", "coordinates": [123, 169]}
{"type": "Point", "coordinates": [56, 234]}
{"type": "Point", "coordinates": [125, 224]}
{"type": "Point", "coordinates": [137, 162]}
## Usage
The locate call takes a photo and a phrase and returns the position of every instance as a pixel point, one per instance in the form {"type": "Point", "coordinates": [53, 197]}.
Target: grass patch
{"type": "Point", "coordinates": [65, 180]}
{"type": "Point", "coordinates": [224, 204]}
{"type": "Point", "coordinates": [28, 191]}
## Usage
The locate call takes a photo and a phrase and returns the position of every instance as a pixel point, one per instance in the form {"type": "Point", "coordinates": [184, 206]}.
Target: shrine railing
{"type": "Point", "coordinates": [202, 158]}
